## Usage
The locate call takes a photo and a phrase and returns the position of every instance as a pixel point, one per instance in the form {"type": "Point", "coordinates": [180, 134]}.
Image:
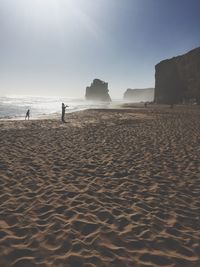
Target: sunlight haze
{"type": "Point", "coordinates": [57, 47]}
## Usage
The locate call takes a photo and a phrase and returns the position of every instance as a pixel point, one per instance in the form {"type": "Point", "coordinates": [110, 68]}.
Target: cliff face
{"type": "Point", "coordinates": [177, 80]}
{"type": "Point", "coordinates": [98, 90]}
{"type": "Point", "coordinates": [138, 95]}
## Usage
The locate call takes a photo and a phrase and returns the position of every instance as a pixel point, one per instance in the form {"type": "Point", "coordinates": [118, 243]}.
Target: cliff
{"type": "Point", "coordinates": [98, 91]}
{"type": "Point", "coordinates": [138, 95]}
{"type": "Point", "coordinates": [177, 80]}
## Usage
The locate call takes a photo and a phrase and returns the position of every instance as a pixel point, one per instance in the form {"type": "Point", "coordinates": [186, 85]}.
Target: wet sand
{"type": "Point", "coordinates": [107, 188]}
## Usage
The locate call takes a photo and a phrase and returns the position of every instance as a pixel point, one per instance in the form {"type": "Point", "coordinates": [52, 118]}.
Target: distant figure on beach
{"type": "Point", "coordinates": [63, 112]}
{"type": "Point", "coordinates": [145, 104]}
{"type": "Point", "coordinates": [27, 114]}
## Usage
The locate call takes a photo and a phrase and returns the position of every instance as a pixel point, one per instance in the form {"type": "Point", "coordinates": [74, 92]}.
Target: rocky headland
{"type": "Point", "coordinates": [138, 95]}
{"type": "Point", "coordinates": [177, 80]}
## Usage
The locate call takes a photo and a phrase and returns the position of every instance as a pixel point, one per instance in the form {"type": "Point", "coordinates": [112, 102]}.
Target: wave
{"type": "Point", "coordinates": [16, 107]}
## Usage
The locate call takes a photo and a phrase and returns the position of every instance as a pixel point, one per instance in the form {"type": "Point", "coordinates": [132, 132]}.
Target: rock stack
{"type": "Point", "coordinates": [98, 91]}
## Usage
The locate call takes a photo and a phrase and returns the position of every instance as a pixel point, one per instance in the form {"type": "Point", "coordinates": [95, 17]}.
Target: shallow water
{"type": "Point", "coordinates": [16, 107]}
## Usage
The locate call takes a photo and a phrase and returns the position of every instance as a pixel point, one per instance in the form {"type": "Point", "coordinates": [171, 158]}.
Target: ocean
{"type": "Point", "coordinates": [41, 107]}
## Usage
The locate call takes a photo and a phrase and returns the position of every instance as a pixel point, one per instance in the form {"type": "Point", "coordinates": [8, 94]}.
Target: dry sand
{"type": "Point", "coordinates": [108, 188]}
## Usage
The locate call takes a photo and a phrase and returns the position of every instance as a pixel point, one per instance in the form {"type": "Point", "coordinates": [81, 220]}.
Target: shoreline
{"type": "Point", "coordinates": [121, 106]}
{"type": "Point", "coordinates": [40, 113]}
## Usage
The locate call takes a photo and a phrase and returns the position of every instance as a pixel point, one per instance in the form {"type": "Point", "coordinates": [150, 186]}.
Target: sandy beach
{"type": "Point", "coordinates": [117, 187]}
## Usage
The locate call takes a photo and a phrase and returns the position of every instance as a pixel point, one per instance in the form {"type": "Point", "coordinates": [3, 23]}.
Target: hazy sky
{"type": "Point", "coordinates": [57, 47]}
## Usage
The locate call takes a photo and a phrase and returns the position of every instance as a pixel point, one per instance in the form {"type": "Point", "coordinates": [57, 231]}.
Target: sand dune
{"type": "Point", "coordinates": [108, 188]}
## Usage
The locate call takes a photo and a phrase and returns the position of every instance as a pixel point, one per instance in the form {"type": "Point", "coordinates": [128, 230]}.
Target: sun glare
{"type": "Point", "coordinates": [62, 15]}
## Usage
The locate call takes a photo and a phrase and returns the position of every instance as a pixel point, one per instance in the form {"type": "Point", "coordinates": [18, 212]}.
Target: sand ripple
{"type": "Point", "coordinates": [108, 188]}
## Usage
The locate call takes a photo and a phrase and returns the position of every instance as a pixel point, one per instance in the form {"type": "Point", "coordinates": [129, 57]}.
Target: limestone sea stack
{"type": "Point", "coordinates": [98, 91]}
{"type": "Point", "coordinates": [177, 80]}
{"type": "Point", "coordinates": [138, 95]}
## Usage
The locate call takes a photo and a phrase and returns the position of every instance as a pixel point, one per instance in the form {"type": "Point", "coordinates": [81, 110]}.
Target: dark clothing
{"type": "Point", "coordinates": [27, 114]}
{"type": "Point", "coordinates": [63, 112]}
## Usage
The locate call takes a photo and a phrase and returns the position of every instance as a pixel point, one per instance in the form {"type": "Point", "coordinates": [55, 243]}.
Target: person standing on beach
{"type": "Point", "coordinates": [27, 114]}
{"type": "Point", "coordinates": [63, 112]}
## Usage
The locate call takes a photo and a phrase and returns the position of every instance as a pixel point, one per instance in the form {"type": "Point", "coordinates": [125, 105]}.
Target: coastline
{"type": "Point", "coordinates": [15, 108]}
{"type": "Point", "coordinates": [110, 187]}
